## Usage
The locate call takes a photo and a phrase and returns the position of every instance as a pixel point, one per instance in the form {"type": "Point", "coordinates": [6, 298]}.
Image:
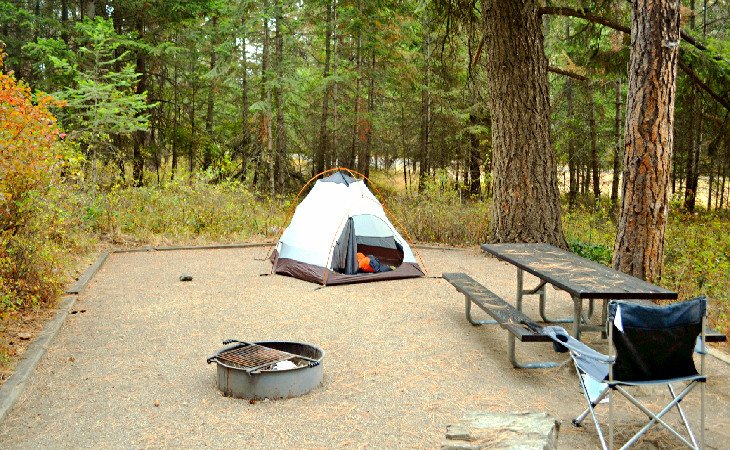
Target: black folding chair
{"type": "Point", "coordinates": [653, 345]}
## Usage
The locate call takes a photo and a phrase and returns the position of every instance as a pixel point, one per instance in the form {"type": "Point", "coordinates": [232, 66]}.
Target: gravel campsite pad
{"type": "Point", "coordinates": [402, 362]}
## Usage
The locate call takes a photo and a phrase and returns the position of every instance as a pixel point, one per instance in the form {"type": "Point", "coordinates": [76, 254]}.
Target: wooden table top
{"type": "Point", "coordinates": [576, 275]}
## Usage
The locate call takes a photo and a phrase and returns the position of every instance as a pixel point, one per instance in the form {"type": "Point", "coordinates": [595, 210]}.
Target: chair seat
{"type": "Point", "coordinates": [598, 370]}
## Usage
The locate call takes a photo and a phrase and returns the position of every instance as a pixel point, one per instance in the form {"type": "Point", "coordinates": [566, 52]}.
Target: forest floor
{"type": "Point", "coordinates": [402, 361]}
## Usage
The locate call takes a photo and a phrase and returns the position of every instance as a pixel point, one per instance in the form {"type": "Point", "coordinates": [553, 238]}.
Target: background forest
{"type": "Point", "coordinates": [197, 121]}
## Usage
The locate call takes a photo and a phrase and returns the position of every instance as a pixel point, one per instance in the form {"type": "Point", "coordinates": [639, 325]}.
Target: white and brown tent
{"type": "Point", "coordinates": [337, 219]}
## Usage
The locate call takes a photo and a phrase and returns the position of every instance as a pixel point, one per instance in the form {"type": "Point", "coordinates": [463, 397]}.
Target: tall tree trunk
{"type": "Point", "coordinates": [64, 20]}
{"type": "Point", "coordinates": [595, 164]}
{"type": "Point", "coordinates": [425, 134]}
{"type": "Point", "coordinates": [322, 150]}
{"type": "Point", "coordinates": [175, 118]}
{"type": "Point", "coordinates": [526, 199]}
{"type": "Point", "coordinates": [335, 156]}
{"type": "Point", "coordinates": [710, 181]}
{"type": "Point", "coordinates": [572, 166]}
{"type": "Point", "coordinates": [140, 136]}
{"type": "Point", "coordinates": [281, 154]}
{"type": "Point", "coordinates": [207, 151]}
{"type": "Point", "coordinates": [475, 183]}
{"type": "Point", "coordinates": [617, 147]}
{"type": "Point", "coordinates": [88, 9]}
{"type": "Point", "coordinates": [369, 122]}
{"type": "Point", "coordinates": [267, 144]}
{"type": "Point", "coordinates": [355, 148]}
{"type": "Point", "coordinates": [245, 136]}
{"type": "Point", "coordinates": [694, 136]}
{"type": "Point", "coordinates": [191, 148]}
{"type": "Point", "coordinates": [639, 248]}
{"type": "Point", "coordinates": [693, 155]}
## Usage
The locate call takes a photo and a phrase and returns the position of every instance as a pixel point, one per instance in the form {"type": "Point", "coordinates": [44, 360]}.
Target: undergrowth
{"type": "Point", "coordinates": [697, 247]}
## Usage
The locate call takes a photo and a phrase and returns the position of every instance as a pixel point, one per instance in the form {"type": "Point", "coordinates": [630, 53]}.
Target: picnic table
{"type": "Point", "coordinates": [581, 278]}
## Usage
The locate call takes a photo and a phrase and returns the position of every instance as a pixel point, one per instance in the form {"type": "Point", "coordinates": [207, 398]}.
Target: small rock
{"type": "Point", "coordinates": [71, 359]}
{"type": "Point", "coordinates": [24, 336]}
{"type": "Point", "coordinates": [252, 401]}
{"type": "Point", "coordinates": [157, 403]}
{"type": "Point", "coordinates": [186, 277]}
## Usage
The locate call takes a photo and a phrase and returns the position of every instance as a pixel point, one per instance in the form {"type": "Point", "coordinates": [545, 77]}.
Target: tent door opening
{"type": "Point", "coordinates": [369, 235]}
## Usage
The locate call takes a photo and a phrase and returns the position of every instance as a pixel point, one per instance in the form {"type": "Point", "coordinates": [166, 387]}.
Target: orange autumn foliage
{"type": "Point", "coordinates": [28, 169]}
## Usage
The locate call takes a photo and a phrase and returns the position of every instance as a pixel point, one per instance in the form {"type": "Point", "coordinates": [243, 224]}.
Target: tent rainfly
{"type": "Point", "coordinates": [339, 218]}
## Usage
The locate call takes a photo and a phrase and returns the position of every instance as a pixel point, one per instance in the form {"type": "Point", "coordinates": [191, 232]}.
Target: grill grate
{"type": "Point", "coordinates": [254, 356]}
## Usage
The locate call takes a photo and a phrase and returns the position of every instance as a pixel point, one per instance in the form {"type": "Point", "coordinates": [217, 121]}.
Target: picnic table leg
{"type": "Point", "coordinates": [590, 308]}
{"type": "Point", "coordinates": [520, 290]}
{"type": "Point", "coordinates": [543, 300]}
{"type": "Point", "coordinates": [577, 313]}
{"type": "Point", "coordinates": [517, 365]}
{"type": "Point", "coordinates": [471, 320]}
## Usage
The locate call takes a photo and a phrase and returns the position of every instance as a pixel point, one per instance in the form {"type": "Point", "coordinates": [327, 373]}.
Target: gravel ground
{"type": "Point", "coordinates": [402, 362]}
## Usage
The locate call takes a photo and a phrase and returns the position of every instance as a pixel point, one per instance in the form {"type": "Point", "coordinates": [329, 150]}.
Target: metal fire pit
{"type": "Point", "coordinates": [269, 369]}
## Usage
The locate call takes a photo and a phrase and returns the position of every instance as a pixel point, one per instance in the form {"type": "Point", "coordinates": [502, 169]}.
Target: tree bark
{"type": "Point", "coordinates": [322, 149]}
{"type": "Point", "coordinates": [693, 155]}
{"type": "Point", "coordinates": [617, 147]}
{"type": "Point", "coordinates": [266, 132]}
{"type": "Point", "coordinates": [639, 248]}
{"type": "Point", "coordinates": [175, 118]}
{"type": "Point", "coordinates": [281, 153]}
{"type": "Point", "coordinates": [245, 136]}
{"type": "Point", "coordinates": [572, 166]}
{"type": "Point", "coordinates": [88, 9]}
{"type": "Point", "coordinates": [595, 164]}
{"type": "Point", "coordinates": [475, 183]}
{"type": "Point", "coordinates": [425, 131]}
{"type": "Point", "coordinates": [140, 136]}
{"type": "Point", "coordinates": [207, 155]}
{"type": "Point", "coordinates": [369, 121]}
{"type": "Point", "coordinates": [526, 198]}
{"type": "Point", "coordinates": [193, 131]}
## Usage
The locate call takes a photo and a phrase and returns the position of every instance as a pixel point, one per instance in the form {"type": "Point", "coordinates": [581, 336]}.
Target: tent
{"type": "Point", "coordinates": [337, 219]}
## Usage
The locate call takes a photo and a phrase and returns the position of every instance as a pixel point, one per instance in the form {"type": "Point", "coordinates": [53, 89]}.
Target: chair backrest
{"type": "Point", "coordinates": [655, 342]}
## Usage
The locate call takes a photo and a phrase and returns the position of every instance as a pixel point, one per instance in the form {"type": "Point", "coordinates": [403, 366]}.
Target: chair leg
{"type": "Point", "coordinates": [683, 416]}
{"type": "Point", "coordinates": [578, 420]}
{"type": "Point", "coordinates": [657, 418]}
{"type": "Point", "coordinates": [610, 419]}
{"type": "Point", "coordinates": [591, 409]}
{"type": "Point", "coordinates": [702, 411]}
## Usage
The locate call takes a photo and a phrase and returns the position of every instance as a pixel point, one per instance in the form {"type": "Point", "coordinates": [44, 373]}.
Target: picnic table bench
{"type": "Point", "coordinates": [519, 325]}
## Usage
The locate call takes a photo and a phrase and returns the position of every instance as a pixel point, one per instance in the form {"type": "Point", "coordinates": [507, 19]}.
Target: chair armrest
{"type": "Point", "coordinates": [560, 336]}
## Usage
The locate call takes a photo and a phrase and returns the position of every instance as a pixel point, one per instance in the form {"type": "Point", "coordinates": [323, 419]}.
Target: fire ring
{"type": "Point", "coordinates": [267, 369]}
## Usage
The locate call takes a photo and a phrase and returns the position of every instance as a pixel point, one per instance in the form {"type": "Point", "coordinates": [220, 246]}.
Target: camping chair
{"type": "Point", "coordinates": [654, 345]}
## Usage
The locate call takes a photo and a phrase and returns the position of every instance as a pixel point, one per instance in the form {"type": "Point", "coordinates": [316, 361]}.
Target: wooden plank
{"type": "Point", "coordinates": [508, 317]}
{"type": "Point", "coordinates": [576, 275]}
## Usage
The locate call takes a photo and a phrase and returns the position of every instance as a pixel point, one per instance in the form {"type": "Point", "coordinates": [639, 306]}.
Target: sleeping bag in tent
{"type": "Point", "coordinates": [338, 219]}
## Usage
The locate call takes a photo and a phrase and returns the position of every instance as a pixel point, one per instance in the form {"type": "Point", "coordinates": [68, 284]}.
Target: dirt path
{"type": "Point", "coordinates": [401, 364]}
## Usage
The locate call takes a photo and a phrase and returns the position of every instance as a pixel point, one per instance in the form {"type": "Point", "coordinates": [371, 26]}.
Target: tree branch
{"type": "Point", "coordinates": [567, 73]}
{"type": "Point", "coordinates": [587, 15]}
{"type": "Point", "coordinates": [582, 14]}
{"type": "Point", "coordinates": [696, 79]}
